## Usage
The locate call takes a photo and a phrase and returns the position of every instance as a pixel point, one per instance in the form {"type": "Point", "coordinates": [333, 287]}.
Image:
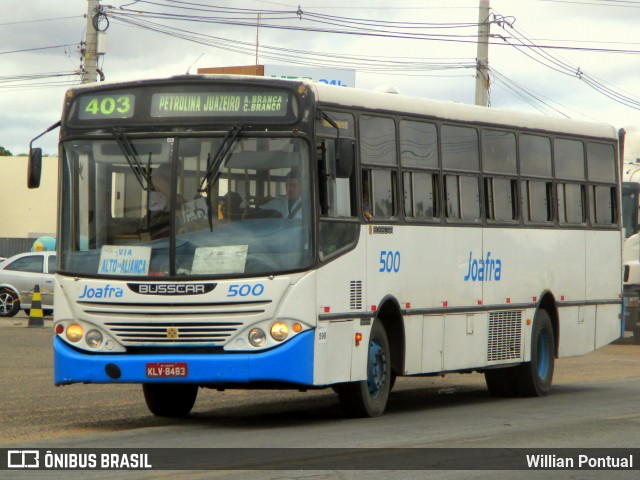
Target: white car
{"type": "Point", "coordinates": [18, 277]}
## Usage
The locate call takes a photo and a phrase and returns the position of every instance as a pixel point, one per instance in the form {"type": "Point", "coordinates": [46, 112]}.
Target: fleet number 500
{"type": "Point", "coordinates": [389, 261]}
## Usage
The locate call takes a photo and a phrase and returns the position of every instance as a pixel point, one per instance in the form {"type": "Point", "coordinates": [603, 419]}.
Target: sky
{"type": "Point", "coordinates": [589, 68]}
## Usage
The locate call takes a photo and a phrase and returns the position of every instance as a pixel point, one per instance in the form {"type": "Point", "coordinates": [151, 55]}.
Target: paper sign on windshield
{"type": "Point", "coordinates": [194, 210]}
{"type": "Point", "coordinates": [229, 259]}
{"type": "Point", "coordinates": [124, 260]}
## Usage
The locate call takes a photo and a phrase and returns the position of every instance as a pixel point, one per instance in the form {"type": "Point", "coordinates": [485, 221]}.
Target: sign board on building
{"type": "Point", "coordinates": [330, 76]}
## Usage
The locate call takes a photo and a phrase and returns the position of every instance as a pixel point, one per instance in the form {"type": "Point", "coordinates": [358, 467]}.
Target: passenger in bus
{"type": "Point", "coordinates": [288, 205]}
{"type": "Point", "coordinates": [366, 204]}
{"type": "Point", "coordinates": [230, 206]}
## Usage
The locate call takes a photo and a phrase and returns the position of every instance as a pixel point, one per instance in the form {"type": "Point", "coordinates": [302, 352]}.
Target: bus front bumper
{"type": "Point", "coordinates": [291, 362]}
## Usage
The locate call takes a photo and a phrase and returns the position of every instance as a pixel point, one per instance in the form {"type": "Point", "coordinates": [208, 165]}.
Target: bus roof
{"type": "Point", "coordinates": [356, 98]}
{"type": "Point", "coordinates": [458, 112]}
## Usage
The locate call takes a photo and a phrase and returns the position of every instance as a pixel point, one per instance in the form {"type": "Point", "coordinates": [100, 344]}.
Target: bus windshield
{"type": "Point", "coordinates": [174, 206]}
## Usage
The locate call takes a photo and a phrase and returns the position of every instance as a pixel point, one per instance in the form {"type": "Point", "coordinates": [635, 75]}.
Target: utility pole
{"type": "Point", "coordinates": [89, 51]}
{"type": "Point", "coordinates": [482, 60]}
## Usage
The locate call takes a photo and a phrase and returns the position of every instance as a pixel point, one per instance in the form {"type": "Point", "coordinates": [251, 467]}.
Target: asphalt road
{"type": "Point", "coordinates": [32, 409]}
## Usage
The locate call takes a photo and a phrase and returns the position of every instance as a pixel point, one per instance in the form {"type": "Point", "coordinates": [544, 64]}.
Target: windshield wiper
{"type": "Point", "coordinates": [213, 167]}
{"type": "Point", "coordinates": [142, 174]}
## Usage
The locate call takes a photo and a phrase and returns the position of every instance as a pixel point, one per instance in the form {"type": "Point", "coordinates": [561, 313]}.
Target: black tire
{"type": "Point", "coordinates": [170, 399]}
{"type": "Point", "coordinates": [533, 379]}
{"type": "Point", "coordinates": [9, 303]}
{"type": "Point", "coordinates": [47, 313]}
{"type": "Point", "coordinates": [636, 335]}
{"type": "Point", "coordinates": [368, 398]}
{"type": "Point", "coordinates": [501, 382]}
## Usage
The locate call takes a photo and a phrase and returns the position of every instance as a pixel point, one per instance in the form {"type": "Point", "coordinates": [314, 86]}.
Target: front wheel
{"type": "Point", "coordinates": [368, 398]}
{"type": "Point", "coordinates": [170, 399]}
{"type": "Point", "coordinates": [9, 303]}
{"type": "Point", "coordinates": [533, 379]}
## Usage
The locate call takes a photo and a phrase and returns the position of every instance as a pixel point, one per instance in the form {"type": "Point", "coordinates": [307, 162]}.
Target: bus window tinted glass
{"type": "Point", "coordinates": [383, 193]}
{"type": "Point", "coordinates": [498, 151]}
{"type": "Point", "coordinates": [462, 197]}
{"type": "Point", "coordinates": [604, 212]}
{"type": "Point", "coordinates": [378, 140]}
{"type": "Point", "coordinates": [569, 159]}
{"type": "Point", "coordinates": [535, 155]}
{"type": "Point", "coordinates": [460, 148]}
{"type": "Point", "coordinates": [501, 199]}
{"type": "Point", "coordinates": [536, 201]}
{"type": "Point", "coordinates": [418, 144]}
{"type": "Point", "coordinates": [420, 195]}
{"type": "Point", "coordinates": [601, 162]}
{"type": "Point", "coordinates": [571, 203]}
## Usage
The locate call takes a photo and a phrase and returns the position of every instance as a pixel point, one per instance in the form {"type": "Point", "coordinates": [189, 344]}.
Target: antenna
{"type": "Point", "coordinates": [194, 62]}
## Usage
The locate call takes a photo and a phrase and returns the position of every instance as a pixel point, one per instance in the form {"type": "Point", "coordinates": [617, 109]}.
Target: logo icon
{"type": "Point", "coordinates": [23, 459]}
{"type": "Point", "coordinates": [172, 332]}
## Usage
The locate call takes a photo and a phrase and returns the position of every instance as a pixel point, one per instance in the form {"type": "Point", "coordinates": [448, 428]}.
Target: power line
{"type": "Point", "coordinates": [35, 49]}
{"type": "Point", "coordinates": [40, 20]}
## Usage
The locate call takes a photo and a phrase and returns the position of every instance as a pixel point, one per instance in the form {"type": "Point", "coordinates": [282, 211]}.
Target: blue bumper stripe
{"type": "Point", "coordinates": [291, 362]}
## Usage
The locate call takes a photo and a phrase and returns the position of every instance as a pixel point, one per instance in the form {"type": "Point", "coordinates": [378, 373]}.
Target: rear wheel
{"type": "Point", "coordinates": [533, 379]}
{"type": "Point", "coordinates": [170, 399]}
{"type": "Point", "coordinates": [9, 303]}
{"type": "Point", "coordinates": [368, 398]}
{"type": "Point", "coordinates": [636, 335]}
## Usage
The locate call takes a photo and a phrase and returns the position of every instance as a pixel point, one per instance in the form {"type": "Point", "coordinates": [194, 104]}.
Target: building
{"type": "Point", "coordinates": [27, 214]}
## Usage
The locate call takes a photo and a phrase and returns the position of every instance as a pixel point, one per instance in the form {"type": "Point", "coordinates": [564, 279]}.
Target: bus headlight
{"type": "Point", "coordinates": [74, 332]}
{"type": "Point", "coordinates": [93, 338]}
{"type": "Point", "coordinates": [279, 331]}
{"type": "Point", "coordinates": [257, 337]}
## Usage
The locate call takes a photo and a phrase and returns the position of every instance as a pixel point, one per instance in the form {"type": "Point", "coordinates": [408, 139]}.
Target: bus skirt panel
{"type": "Point", "coordinates": [291, 362]}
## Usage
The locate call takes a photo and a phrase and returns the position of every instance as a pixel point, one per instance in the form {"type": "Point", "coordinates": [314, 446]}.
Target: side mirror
{"type": "Point", "coordinates": [34, 167]}
{"type": "Point", "coordinates": [345, 157]}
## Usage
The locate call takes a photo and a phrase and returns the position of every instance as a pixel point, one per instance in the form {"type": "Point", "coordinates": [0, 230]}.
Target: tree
{"type": "Point", "coordinates": [4, 152]}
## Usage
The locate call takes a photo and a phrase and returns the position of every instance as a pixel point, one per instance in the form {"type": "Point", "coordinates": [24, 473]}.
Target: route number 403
{"type": "Point", "coordinates": [108, 105]}
{"type": "Point", "coordinates": [389, 261]}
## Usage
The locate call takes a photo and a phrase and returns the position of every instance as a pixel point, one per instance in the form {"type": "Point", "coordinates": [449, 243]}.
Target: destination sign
{"type": "Point", "coordinates": [167, 103]}
{"type": "Point", "coordinates": [106, 106]}
{"type": "Point", "coordinates": [205, 104]}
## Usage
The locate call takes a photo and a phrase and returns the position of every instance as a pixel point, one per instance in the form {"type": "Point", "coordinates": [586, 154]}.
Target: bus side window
{"type": "Point", "coordinates": [500, 199]}
{"type": "Point", "coordinates": [421, 195]}
{"type": "Point", "coordinates": [536, 201]}
{"type": "Point", "coordinates": [568, 156]}
{"type": "Point", "coordinates": [462, 197]}
{"type": "Point", "coordinates": [601, 168]}
{"type": "Point", "coordinates": [383, 193]}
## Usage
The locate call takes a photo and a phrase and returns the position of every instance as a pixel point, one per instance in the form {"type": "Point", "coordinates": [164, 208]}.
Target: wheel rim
{"type": "Point", "coordinates": [377, 374]}
{"type": "Point", "coordinates": [6, 302]}
{"type": "Point", "coordinates": [543, 355]}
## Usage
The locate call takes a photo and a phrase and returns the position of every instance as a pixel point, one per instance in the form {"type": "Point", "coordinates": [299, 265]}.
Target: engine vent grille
{"type": "Point", "coordinates": [505, 336]}
{"type": "Point", "coordinates": [355, 298]}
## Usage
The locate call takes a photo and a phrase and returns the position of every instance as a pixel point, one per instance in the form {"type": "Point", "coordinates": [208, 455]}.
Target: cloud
{"type": "Point", "coordinates": [135, 53]}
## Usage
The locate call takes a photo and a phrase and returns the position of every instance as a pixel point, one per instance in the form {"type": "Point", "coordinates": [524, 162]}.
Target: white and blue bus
{"type": "Point", "coordinates": [243, 232]}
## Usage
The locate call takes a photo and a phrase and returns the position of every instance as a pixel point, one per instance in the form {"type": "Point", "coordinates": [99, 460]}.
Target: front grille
{"type": "Point", "coordinates": [173, 324]}
{"type": "Point", "coordinates": [505, 336]}
{"type": "Point", "coordinates": [164, 333]}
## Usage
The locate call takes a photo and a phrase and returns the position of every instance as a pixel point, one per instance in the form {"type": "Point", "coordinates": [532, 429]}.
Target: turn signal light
{"type": "Point", "coordinates": [74, 333]}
